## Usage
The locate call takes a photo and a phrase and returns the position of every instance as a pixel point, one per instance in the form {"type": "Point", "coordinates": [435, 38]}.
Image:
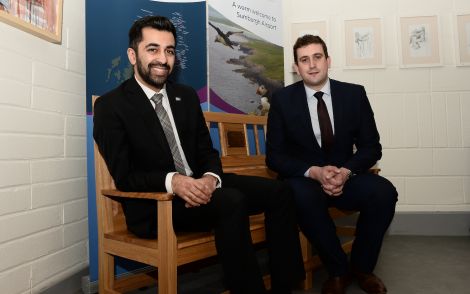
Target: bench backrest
{"type": "Point", "coordinates": [236, 134]}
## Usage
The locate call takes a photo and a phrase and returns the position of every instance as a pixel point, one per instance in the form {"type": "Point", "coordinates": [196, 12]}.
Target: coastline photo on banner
{"type": "Point", "coordinates": [245, 48]}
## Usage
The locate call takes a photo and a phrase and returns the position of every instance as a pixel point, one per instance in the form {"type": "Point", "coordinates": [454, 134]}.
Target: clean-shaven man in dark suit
{"type": "Point", "coordinates": [136, 144]}
{"type": "Point", "coordinates": [318, 159]}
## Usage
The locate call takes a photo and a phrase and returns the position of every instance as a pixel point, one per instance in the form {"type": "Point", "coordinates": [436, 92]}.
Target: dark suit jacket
{"type": "Point", "coordinates": [132, 142]}
{"type": "Point", "coordinates": [291, 147]}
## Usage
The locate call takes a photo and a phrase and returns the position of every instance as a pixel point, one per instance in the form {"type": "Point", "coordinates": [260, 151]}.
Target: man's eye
{"type": "Point", "coordinates": [170, 52]}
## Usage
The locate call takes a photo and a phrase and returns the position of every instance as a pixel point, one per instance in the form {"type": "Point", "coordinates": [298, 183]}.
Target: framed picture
{"type": "Point", "coordinates": [419, 41]}
{"type": "Point", "coordinates": [42, 18]}
{"type": "Point", "coordinates": [463, 38]}
{"type": "Point", "coordinates": [316, 28]}
{"type": "Point", "coordinates": [363, 39]}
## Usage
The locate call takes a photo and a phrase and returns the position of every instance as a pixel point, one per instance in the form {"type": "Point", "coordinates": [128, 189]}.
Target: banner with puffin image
{"type": "Point", "coordinates": [246, 58]}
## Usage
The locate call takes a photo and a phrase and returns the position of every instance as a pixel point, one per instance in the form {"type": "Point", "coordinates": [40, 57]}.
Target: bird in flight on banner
{"type": "Point", "coordinates": [224, 37]}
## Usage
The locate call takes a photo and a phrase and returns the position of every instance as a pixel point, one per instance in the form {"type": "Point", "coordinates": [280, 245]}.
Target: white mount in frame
{"type": "Point", "coordinates": [363, 43]}
{"type": "Point", "coordinates": [419, 40]}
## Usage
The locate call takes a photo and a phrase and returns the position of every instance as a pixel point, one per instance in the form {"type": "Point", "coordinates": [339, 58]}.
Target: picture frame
{"type": "Point", "coordinates": [363, 43]}
{"type": "Point", "coordinates": [42, 18]}
{"type": "Point", "coordinates": [463, 39]}
{"type": "Point", "coordinates": [316, 28]}
{"type": "Point", "coordinates": [419, 41]}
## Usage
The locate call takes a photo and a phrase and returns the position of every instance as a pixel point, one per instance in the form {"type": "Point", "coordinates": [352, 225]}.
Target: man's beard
{"type": "Point", "coordinates": [157, 81]}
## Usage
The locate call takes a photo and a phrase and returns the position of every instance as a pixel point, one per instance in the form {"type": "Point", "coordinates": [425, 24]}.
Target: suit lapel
{"type": "Point", "coordinates": [303, 116]}
{"type": "Point", "coordinates": [177, 108]}
{"type": "Point", "coordinates": [337, 94]}
{"type": "Point", "coordinates": [140, 102]}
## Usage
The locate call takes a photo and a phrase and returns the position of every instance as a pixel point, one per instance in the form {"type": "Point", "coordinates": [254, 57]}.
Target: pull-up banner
{"type": "Point", "coordinates": [246, 58]}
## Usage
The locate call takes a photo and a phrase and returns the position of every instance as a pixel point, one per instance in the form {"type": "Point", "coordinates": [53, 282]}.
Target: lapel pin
{"type": "Point", "coordinates": [177, 98]}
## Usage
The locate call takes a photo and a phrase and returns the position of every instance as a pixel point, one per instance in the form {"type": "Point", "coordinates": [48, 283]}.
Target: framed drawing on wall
{"type": "Point", "coordinates": [419, 40]}
{"type": "Point", "coordinates": [363, 40]}
{"type": "Point", "coordinates": [42, 18]}
{"type": "Point", "coordinates": [316, 28]}
{"type": "Point", "coordinates": [463, 38]}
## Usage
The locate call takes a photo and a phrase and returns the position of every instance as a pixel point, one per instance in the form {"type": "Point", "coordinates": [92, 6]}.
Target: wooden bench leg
{"type": "Point", "coordinates": [307, 256]}
{"type": "Point", "coordinates": [167, 270]}
{"type": "Point", "coordinates": [106, 274]}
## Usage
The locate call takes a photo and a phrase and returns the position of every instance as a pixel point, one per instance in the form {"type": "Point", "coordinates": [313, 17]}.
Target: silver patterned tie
{"type": "Point", "coordinates": [168, 130]}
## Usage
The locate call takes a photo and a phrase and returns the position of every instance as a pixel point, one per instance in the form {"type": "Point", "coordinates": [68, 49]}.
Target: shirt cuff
{"type": "Point", "coordinates": [168, 179]}
{"type": "Point", "coordinates": [219, 181]}
{"type": "Point", "coordinates": [306, 174]}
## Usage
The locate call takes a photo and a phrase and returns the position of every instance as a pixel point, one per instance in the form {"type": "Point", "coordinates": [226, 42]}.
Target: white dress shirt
{"type": "Point", "coordinates": [166, 105]}
{"type": "Point", "coordinates": [312, 109]}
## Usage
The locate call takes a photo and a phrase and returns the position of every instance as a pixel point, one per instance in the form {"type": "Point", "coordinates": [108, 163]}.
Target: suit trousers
{"type": "Point", "coordinates": [372, 195]}
{"type": "Point", "coordinates": [228, 215]}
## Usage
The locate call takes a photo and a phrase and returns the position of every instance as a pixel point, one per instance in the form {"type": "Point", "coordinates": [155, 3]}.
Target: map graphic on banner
{"type": "Point", "coordinates": [108, 22]}
{"type": "Point", "coordinates": [107, 66]}
{"type": "Point", "coordinates": [246, 59]}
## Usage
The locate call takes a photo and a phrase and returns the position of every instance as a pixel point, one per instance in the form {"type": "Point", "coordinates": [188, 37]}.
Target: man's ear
{"type": "Point", "coordinates": [328, 59]}
{"type": "Point", "coordinates": [131, 55]}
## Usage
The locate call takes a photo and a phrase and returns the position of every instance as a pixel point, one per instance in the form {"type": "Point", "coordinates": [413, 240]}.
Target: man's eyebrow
{"type": "Point", "coordinates": [158, 45]}
{"type": "Point", "coordinates": [152, 45]}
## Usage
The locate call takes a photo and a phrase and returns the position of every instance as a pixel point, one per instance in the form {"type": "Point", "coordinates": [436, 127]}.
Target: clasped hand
{"type": "Point", "coordinates": [195, 192]}
{"type": "Point", "coordinates": [331, 178]}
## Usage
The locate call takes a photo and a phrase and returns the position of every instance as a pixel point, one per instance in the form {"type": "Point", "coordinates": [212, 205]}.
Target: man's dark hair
{"type": "Point", "coordinates": [307, 40]}
{"type": "Point", "coordinates": [160, 23]}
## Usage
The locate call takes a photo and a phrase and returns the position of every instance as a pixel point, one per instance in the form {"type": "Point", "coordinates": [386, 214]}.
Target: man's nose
{"type": "Point", "coordinates": [161, 56]}
{"type": "Point", "coordinates": [312, 64]}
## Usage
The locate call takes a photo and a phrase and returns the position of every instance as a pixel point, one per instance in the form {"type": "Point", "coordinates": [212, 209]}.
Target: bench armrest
{"type": "Point", "coordinates": [159, 196]}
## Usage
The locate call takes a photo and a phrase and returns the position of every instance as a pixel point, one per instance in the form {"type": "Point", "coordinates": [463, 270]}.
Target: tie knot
{"type": "Point", "coordinates": [318, 95]}
{"type": "Point", "coordinates": [157, 98]}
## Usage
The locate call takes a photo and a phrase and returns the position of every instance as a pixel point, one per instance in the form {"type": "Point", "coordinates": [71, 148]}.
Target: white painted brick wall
{"type": "Point", "coordinates": [57, 169]}
{"type": "Point", "coordinates": [54, 193]}
{"type": "Point", "coordinates": [43, 190]}
{"type": "Point", "coordinates": [57, 262]}
{"type": "Point", "coordinates": [423, 114]}
{"type": "Point", "coordinates": [16, 280]}
{"type": "Point", "coordinates": [14, 173]}
{"type": "Point", "coordinates": [19, 146]}
{"type": "Point", "coordinates": [28, 249]}
{"type": "Point", "coordinates": [15, 200]}
{"type": "Point", "coordinates": [15, 93]}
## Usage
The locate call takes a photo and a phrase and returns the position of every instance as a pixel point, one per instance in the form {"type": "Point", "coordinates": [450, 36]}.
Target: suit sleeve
{"type": "Point", "coordinates": [367, 140]}
{"type": "Point", "coordinates": [279, 157]}
{"type": "Point", "coordinates": [113, 143]}
{"type": "Point", "coordinates": [208, 159]}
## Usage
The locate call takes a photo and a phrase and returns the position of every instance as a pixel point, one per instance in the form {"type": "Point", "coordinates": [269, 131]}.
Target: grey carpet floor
{"type": "Point", "coordinates": [407, 265]}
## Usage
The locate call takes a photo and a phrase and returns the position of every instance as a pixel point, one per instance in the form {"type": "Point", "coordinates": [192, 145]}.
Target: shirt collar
{"type": "Point", "coordinates": [325, 89]}
{"type": "Point", "coordinates": [149, 92]}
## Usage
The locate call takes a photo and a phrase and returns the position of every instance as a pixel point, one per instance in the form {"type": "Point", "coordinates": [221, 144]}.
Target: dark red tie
{"type": "Point", "coordinates": [325, 124]}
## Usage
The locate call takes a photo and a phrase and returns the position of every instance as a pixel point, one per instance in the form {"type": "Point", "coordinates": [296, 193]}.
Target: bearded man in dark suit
{"type": "Point", "coordinates": [314, 127]}
{"type": "Point", "coordinates": [153, 137]}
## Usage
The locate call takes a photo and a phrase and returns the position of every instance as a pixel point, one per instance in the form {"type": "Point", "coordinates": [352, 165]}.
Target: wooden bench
{"type": "Point", "coordinates": [241, 140]}
{"type": "Point", "coordinates": [170, 251]}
